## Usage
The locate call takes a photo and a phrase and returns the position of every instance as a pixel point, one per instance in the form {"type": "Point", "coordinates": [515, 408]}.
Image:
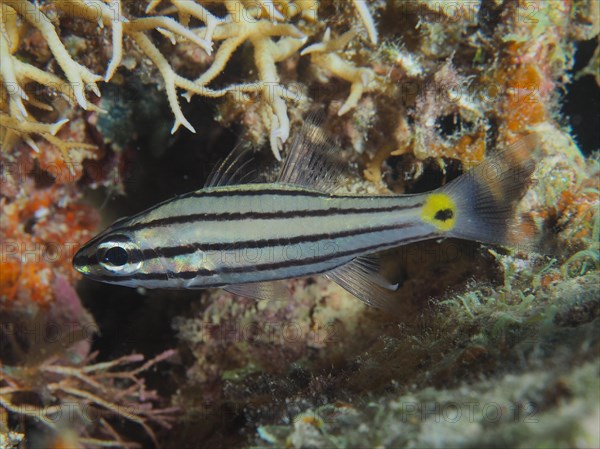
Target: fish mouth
{"type": "Point", "coordinates": [82, 261]}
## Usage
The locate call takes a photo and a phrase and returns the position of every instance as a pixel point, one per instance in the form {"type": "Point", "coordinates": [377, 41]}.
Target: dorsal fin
{"type": "Point", "coordinates": [236, 168]}
{"type": "Point", "coordinates": [361, 277]}
{"type": "Point", "coordinates": [312, 159]}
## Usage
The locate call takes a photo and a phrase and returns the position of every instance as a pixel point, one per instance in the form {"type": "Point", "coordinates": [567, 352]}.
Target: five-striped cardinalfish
{"type": "Point", "coordinates": [243, 236]}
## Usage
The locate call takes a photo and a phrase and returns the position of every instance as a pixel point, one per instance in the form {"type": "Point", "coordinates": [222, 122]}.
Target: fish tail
{"type": "Point", "coordinates": [485, 198]}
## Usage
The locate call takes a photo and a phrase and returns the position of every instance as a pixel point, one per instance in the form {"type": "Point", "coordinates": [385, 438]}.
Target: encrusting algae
{"type": "Point", "coordinates": [415, 92]}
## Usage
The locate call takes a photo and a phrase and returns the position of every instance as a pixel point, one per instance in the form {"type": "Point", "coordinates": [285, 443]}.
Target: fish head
{"type": "Point", "coordinates": [112, 256]}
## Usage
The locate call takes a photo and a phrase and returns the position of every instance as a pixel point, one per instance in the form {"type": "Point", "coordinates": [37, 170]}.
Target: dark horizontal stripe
{"type": "Point", "coordinates": [282, 215]}
{"type": "Point", "coordinates": [156, 276]}
{"type": "Point", "coordinates": [173, 251]}
{"type": "Point", "coordinates": [116, 279]}
{"type": "Point", "coordinates": [186, 275]}
{"type": "Point", "coordinates": [225, 284]}
{"type": "Point", "coordinates": [229, 192]}
{"type": "Point", "coordinates": [320, 259]}
{"type": "Point", "coordinates": [119, 238]}
{"type": "Point", "coordinates": [103, 237]}
{"type": "Point", "coordinates": [281, 191]}
{"type": "Point", "coordinates": [226, 192]}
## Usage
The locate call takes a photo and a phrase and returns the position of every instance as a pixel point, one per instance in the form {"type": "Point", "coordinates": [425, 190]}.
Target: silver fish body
{"type": "Point", "coordinates": [251, 233]}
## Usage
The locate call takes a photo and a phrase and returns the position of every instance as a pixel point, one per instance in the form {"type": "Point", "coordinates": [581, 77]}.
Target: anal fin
{"type": "Point", "coordinates": [361, 277]}
{"type": "Point", "coordinates": [268, 290]}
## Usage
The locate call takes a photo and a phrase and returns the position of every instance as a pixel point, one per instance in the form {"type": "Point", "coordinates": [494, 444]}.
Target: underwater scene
{"type": "Point", "coordinates": [299, 224]}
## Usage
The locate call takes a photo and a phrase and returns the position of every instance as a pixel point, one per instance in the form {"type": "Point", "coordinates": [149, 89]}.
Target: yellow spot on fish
{"type": "Point", "coordinates": [440, 211]}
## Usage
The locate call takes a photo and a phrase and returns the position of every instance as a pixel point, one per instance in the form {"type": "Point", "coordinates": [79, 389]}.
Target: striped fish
{"type": "Point", "coordinates": [242, 236]}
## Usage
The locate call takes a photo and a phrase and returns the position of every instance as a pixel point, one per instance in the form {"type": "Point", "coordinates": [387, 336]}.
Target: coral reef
{"type": "Point", "coordinates": [485, 345]}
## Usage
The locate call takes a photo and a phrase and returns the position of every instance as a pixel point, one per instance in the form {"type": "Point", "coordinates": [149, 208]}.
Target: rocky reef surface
{"type": "Point", "coordinates": [108, 107]}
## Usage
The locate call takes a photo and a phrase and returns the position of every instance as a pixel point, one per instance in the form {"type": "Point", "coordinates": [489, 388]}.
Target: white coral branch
{"type": "Point", "coordinates": [199, 12]}
{"type": "Point", "coordinates": [117, 41]}
{"type": "Point", "coordinates": [79, 76]}
{"type": "Point", "coordinates": [367, 19]}
{"type": "Point", "coordinates": [8, 75]}
{"type": "Point", "coordinates": [168, 76]}
{"type": "Point", "coordinates": [324, 55]}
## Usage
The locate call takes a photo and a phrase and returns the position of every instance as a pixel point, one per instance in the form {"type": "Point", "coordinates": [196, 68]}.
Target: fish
{"type": "Point", "coordinates": [246, 236]}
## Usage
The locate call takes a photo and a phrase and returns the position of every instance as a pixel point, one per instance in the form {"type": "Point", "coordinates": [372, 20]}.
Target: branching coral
{"type": "Point", "coordinates": [246, 21]}
{"type": "Point", "coordinates": [367, 19]}
{"type": "Point", "coordinates": [15, 120]}
{"type": "Point", "coordinates": [79, 77]}
{"type": "Point", "coordinates": [242, 26]}
{"type": "Point", "coordinates": [325, 55]}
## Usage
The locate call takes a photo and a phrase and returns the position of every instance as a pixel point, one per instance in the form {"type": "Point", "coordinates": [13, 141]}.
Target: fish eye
{"type": "Point", "coordinates": [121, 257]}
{"type": "Point", "coordinates": [116, 256]}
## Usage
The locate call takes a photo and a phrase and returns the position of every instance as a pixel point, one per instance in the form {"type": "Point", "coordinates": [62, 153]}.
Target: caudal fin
{"type": "Point", "coordinates": [486, 197]}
